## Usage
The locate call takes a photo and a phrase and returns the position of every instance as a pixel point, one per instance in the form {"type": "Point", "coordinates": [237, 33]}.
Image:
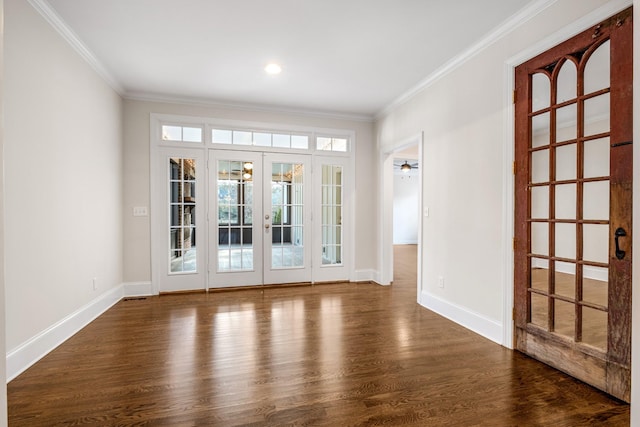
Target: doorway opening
{"type": "Point", "coordinates": [402, 207]}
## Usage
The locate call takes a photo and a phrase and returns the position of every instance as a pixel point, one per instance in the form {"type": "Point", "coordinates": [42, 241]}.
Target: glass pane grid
{"type": "Point", "coordinates": [331, 215]}
{"type": "Point", "coordinates": [569, 201]}
{"type": "Point", "coordinates": [260, 139]}
{"type": "Point", "coordinates": [182, 209]}
{"type": "Point", "coordinates": [177, 133]}
{"type": "Point", "coordinates": [235, 212]}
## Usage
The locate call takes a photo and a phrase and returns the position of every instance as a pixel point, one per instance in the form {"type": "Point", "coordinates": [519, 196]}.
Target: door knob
{"type": "Point", "coordinates": [266, 226]}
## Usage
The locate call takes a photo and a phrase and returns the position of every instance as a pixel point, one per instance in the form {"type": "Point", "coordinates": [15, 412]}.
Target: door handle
{"type": "Point", "coordinates": [619, 233]}
{"type": "Point", "coordinates": [266, 226]}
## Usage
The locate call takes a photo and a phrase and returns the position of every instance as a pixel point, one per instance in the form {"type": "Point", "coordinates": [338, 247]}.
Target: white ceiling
{"type": "Point", "coordinates": [351, 57]}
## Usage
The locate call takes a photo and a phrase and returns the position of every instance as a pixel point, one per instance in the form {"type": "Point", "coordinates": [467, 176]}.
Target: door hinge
{"type": "Point", "coordinates": [514, 96]}
{"type": "Point", "coordinates": [514, 243]}
{"type": "Point", "coordinates": [513, 167]}
{"type": "Point", "coordinates": [513, 313]}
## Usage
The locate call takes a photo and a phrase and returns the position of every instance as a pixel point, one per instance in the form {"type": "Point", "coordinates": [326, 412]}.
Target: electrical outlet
{"type": "Point", "coordinates": [440, 282]}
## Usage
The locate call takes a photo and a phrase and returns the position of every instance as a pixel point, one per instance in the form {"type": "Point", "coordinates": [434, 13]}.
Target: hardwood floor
{"type": "Point", "coordinates": [326, 355]}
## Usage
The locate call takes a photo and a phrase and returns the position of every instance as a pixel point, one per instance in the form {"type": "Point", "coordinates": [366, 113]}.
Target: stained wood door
{"type": "Point", "coordinates": [573, 206]}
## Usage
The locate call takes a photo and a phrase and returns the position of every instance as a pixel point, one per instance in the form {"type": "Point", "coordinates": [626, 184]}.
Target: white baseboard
{"type": "Point", "coordinates": [367, 275]}
{"type": "Point", "coordinates": [28, 353]}
{"type": "Point", "coordinates": [137, 289]}
{"type": "Point", "coordinates": [475, 322]}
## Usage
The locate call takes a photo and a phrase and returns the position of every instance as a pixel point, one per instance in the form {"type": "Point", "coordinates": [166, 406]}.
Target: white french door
{"type": "Point", "coordinates": [180, 222]}
{"type": "Point", "coordinates": [259, 218]}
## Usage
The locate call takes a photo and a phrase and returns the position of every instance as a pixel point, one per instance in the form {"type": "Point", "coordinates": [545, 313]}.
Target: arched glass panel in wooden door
{"type": "Point", "coordinates": [573, 206]}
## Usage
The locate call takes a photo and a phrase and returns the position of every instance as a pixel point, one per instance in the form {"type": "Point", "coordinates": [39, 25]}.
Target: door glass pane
{"type": "Point", "coordinates": [564, 318]}
{"type": "Point", "coordinates": [540, 202]}
{"type": "Point", "coordinates": [541, 89]}
{"type": "Point", "coordinates": [540, 274]}
{"type": "Point", "coordinates": [595, 285]}
{"type": "Point", "coordinates": [596, 200]}
{"type": "Point", "coordinates": [594, 327]}
{"type": "Point", "coordinates": [596, 72]}
{"type": "Point", "coordinates": [566, 162]}
{"type": "Point", "coordinates": [540, 130]}
{"type": "Point", "coordinates": [596, 243]}
{"type": "Point", "coordinates": [539, 310]}
{"type": "Point", "coordinates": [567, 82]}
{"type": "Point", "coordinates": [182, 210]}
{"type": "Point", "coordinates": [565, 279]}
{"type": "Point", "coordinates": [540, 238]}
{"type": "Point", "coordinates": [565, 240]}
{"type": "Point", "coordinates": [331, 214]}
{"type": "Point", "coordinates": [596, 115]}
{"type": "Point", "coordinates": [596, 158]}
{"type": "Point", "coordinates": [540, 166]}
{"type": "Point", "coordinates": [566, 123]}
{"type": "Point", "coordinates": [235, 215]}
{"type": "Point", "coordinates": [566, 201]}
{"type": "Point", "coordinates": [287, 215]}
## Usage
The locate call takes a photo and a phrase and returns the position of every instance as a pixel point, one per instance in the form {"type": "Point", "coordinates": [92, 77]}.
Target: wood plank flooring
{"type": "Point", "coordinates": [326, 355]}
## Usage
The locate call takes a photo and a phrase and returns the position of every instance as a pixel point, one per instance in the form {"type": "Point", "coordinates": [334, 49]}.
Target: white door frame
{"type": "Point", "coordinates": [207, 124]}
{"type": "Point", "coordinates": [386, 230]}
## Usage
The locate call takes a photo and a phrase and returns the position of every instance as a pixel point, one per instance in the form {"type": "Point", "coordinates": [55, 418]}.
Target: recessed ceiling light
{"type": "Point", "coordinates": [273, 68]}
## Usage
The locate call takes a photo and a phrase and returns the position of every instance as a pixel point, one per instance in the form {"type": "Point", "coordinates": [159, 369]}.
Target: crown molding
{"type": "Point", "coordinates": [209, 103]}
{"type": "Point", "coordinates": [507, 26]}
{"type": "Point", "coordinates": [49, 14]}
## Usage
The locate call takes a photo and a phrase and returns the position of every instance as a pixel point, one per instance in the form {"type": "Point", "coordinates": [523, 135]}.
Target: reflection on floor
{"type": "Point", "coordinates": [594, 321]}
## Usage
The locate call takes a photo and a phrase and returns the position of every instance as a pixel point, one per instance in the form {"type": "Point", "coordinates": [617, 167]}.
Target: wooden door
{"type": "Point", "coordinates": [573, 206]}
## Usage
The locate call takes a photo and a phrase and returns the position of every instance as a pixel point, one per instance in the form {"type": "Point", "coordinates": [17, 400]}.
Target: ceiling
{"type": "Point", "coordinates": [346, 57]}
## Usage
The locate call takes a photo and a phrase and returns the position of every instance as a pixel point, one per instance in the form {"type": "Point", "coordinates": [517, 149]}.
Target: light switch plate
{"type": "Point", "coordinates": [140, 211]}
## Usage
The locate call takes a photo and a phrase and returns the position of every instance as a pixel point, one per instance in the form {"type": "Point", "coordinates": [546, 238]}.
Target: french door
{"type": "Point", "coordinates": [573, 206]}
{"type": "Point", "coordinates": [180, 252]}
{"type": "Point", "coordinates": [259, 218]}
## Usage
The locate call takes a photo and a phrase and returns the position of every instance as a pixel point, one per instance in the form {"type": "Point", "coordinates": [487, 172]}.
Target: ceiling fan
{"type": "Point", "coordinates": [406, 167]}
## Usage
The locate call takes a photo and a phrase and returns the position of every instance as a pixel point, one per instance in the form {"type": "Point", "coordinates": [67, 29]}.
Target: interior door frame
{"type": "Point", "coordinates": [385, 254]}
{"type": "Point", "coordinates": [508, 149]}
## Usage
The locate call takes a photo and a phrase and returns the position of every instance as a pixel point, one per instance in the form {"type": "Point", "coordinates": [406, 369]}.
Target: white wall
{"type": "Point", "coordinates": [3, 322]}
{"type": "Point", "coordinates": [137, 244]}
{"type": "Point", "coordinates": [63, 168]}
{"type": "Point", "coordinates": [406, 192]}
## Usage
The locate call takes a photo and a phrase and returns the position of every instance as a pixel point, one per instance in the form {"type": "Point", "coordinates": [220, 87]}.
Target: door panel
{"type": "Point", "coordinates": [183, 266]}
{"type": "Point", "coordinates": [331, 219]}
{"type": "Point", "coordinates": [259, 219]}
{"type": "Point", "coordinates": [287, 218]}
{"type": "Point", "coordinates": [573, 206]}
{"type": "Point", "coordinates": [235, 223]}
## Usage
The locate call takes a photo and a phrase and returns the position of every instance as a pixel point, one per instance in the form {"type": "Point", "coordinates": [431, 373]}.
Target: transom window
{"type": "Point", "coordinates": [181, 133]}
{"type": "Point", "coordinates": [331, 144]}
{"type": "Point", "coordinates": [259, 139]}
